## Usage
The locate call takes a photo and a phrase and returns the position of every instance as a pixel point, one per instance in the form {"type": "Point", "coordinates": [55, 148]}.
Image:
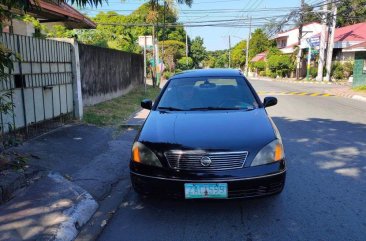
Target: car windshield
{"type": "Point", "coordinates": [193, 94]}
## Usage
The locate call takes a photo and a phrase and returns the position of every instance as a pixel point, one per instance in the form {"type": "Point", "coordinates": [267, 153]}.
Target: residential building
{"type": "Point", "coordinates": [287, 41]}
{"type": "Point", "coordinates": [346, 37]}
{"type": "Point", "coordinates": [50, 13]}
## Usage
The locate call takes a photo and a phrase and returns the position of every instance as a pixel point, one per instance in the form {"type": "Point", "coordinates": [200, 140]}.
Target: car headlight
{"type": "Point", "coordinates": [272, 152]}
{"type": "Point", "coordinates": [142, 154]}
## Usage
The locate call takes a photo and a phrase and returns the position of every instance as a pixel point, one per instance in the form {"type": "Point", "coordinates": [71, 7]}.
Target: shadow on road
{"type": "Point", "coordinates": [337, 147]}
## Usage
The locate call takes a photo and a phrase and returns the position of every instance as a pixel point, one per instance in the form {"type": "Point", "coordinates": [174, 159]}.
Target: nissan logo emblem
{"type": "Point", "coordinates": [206, 161]}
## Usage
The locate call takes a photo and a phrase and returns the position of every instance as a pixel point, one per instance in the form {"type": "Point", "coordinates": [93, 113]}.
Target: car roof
{"type": "Point", "coordinates": [209, 73]}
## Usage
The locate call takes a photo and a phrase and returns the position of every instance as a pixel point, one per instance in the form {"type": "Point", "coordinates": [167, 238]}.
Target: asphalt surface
{"type": "Point", "coordinates": [324, 197]}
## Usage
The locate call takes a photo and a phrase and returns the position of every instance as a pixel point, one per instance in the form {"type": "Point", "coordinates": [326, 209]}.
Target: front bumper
{"type": "Point", "coordinates": [240, 187]}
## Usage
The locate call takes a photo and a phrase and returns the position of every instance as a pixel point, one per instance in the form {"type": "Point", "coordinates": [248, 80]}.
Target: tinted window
{"type": "Point", "coordinates": [219, 93]}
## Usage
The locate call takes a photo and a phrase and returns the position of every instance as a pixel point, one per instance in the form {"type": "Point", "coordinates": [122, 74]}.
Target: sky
{"type": "Point", "coordinates": [236, 14]}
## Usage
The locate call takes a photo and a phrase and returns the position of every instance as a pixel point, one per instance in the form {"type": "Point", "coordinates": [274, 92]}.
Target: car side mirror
{"type": "Point", "coordinates": [146, 104]}
{"type": "Point", "coordinates": [270, 101]}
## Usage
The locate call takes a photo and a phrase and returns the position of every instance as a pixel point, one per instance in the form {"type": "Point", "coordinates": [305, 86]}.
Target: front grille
{"type": "Point", "coordinates": [257, 191]}
{"type": "Point", "coordinates": [191, 160]}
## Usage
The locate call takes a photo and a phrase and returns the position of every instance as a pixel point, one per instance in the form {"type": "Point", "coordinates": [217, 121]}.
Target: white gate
{"type": "Point", "coordinates": [41, 81]}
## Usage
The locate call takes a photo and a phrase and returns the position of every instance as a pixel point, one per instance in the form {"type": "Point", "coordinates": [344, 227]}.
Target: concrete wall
{"type": "Point", "coordinates": [107, 73]}
{"type": "Point", "coordinates": [21, 28]}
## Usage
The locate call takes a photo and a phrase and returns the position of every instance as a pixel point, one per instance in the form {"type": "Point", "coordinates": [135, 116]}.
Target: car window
{"type": "Point", "coordinates": [210, 93]}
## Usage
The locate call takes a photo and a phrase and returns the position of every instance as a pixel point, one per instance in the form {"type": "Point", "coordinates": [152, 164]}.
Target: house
{"type": "Point", "coordinates": [50, 13]}
{"type": "Point", "coordinates": [344, 38]}
{"type": "Point", "coordinates": [348, 36]}
{"type": "Point", "coordinates": [359, 69]}
{"type": "Point", "coordinates": [259, 57]}
{"type": "Point", "coordinates": [288, 40]}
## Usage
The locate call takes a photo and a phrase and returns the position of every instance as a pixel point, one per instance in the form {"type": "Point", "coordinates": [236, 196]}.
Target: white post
{"type": "Point", "coordinates": [322, 44]}
{"type": "Point", "coordinates": [331, 42]}
{"type": "Point", "coordinates": [76, 83]}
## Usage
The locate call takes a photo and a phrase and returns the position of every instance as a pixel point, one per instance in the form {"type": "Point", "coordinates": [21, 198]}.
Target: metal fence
{"type": "Point", "coordinates": [41, 85]}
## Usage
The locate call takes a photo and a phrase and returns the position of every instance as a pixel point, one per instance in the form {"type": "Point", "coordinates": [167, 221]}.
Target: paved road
{"type": "Point", "coordinates": [325, 194]}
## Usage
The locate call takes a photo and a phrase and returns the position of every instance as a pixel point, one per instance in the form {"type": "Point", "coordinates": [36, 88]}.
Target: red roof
{"type": "Point", "coordinates": [356, 32]}
{"type": "Point", "coordinates": [259, 57]}
{"type": "Point", "coordinates": [66, 11]}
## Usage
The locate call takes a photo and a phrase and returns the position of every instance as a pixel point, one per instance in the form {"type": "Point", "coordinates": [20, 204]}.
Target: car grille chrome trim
{"type": "Point", "coordinates": [191, 160]}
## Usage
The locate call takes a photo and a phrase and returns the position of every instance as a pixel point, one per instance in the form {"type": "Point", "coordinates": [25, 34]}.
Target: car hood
{"type": "Point", "coordinates": [208, 130]}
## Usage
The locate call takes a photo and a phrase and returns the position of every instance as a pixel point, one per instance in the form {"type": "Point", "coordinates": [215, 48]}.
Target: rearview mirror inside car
{"type": "Point", "coordinates": [270, 101]}
{"type": "Point", "coordinates": [146, 104]}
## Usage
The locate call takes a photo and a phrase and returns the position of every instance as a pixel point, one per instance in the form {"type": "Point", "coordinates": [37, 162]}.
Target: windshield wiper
{"type": "Point", "coordinates": [169, 108]}
{"type": "Point", "coordinates": [216, 108]}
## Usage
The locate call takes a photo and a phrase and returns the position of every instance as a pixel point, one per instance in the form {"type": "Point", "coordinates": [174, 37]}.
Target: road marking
{"type": "Point", "coordinates": [295, 93]}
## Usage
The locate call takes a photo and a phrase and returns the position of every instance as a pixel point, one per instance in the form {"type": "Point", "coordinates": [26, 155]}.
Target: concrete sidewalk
{"type": "Point", "coordinates": [84, 164]}
{"type": "Point", "coordinates": [347, 92]}
{"type": "Point", "coordinates": [342, 89]}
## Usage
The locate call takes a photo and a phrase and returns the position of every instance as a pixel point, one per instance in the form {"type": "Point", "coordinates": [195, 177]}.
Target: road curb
{"type": "Point", "coordinates": [359, 97]}
{"type": "Point", "coordinates": [77, 215]}
{"type": "Point", "coordinates": [301, 81]}
{"type": "Point", "coordinates": [52, 208]}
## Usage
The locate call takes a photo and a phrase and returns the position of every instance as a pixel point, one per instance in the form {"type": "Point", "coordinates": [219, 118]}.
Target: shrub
{"type": "Point", "coordinates": [262, 73]}
{"type": "Point", "coordinates": [271, 74]}
{"type": "Point", "coordinates": [337, 71]}
{"type": "Point", "coordinates": [167, 74]}
{"type": "Point", "coordinates": [260, 65]}
{"type": "Point", "coordinates": [313, 72]}
{"type": "Point", "coordinates": [348, 69]}
{"type": "Point", "coordinates": [281, 65]}
{"type": "Point", "coordinates": [182, 63]}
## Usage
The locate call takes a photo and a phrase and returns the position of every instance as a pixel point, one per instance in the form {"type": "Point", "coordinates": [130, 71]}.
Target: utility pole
{"type": "Point", "coordinates": [323, 43]}
{"type": "Point", "coordinates": [229, 51]}
{"type": "Point", "coordinates": [331, 41]}
{"type": "Point", "coordinates": [298, 58]}
{"type": "Point", "coordinates": [247, 52]}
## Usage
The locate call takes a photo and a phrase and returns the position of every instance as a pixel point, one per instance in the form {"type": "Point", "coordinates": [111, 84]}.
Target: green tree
{"type": "Point", "coordinates": [260, 65]}
{"type": "Point", "coordinates": [209, 62]}
{"type": "Point", "coordinates": [309, 15]}
{"type": "Point", "coordinates": [222, 61]}
{"type": "Point", "coordinates": [198, 51]}
{"type": "Point", "coordinates": [182, 63]}
{"type": "Point", "coordinates": [351, 12]}
{"type": "Point", "coordinates": [280, 65]}
{"type": "Point", "coordinates": [173, 50]}
{"type": "Point", "coordinates": [259, 42]}
{"type": "Point", "coordinates": [238, 54]}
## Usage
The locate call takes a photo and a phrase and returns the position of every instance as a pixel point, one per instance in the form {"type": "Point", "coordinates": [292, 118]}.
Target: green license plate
{"type": "Point", "coordinates": [205, 190]}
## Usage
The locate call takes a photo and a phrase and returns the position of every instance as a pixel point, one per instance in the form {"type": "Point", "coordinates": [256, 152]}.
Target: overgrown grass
{"type": "Point", "coordinates": [361, 88]}
{"type": "Point", "coordinates": [117, 111]}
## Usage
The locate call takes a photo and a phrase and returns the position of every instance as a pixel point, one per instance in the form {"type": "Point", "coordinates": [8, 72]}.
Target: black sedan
{"type": "Point", "coordinates": [208, 135]}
